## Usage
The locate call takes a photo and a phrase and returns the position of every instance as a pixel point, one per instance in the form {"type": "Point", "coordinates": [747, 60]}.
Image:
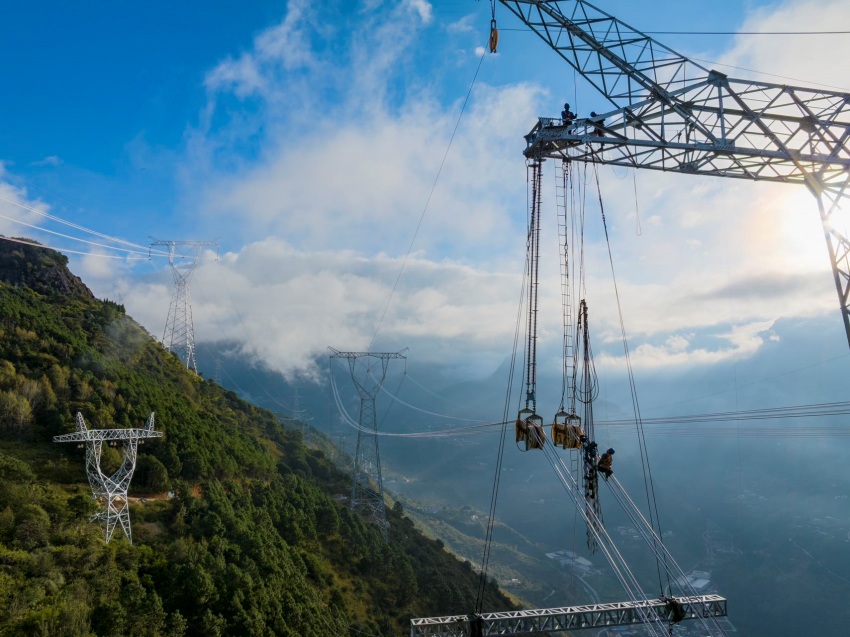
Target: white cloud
{"type": "Point", "coordinates": [367, 184]}
{"type": "Point", "coordinates": [423, 9]}
{"type": "Point", "coordinates": [96, 265]}
{"type": "Point", "coordinates": [18, 213]}
{"type": "Point", "coordinates": [286, 46]}
{"type": "Point", "coordinates": [823, 59]}
{"type": "Point", "coordinates": [464, 25]}
{"type": "Point", "coordinates": [726, 253]}
{"type": "Point", "coordinates": [703, 273]}
{"type": "Point", "coordinates": [51, 160]}
{"type": "Point", "coordinates": [288, 305]}
{"type": "Point", "coordinates": [241, 75]}
{"type": "Point", "coordinates": [678, 351]}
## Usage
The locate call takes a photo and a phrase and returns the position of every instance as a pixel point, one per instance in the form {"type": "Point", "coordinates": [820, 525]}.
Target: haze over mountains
{"type": "Point", "coordinates": [760, 504]}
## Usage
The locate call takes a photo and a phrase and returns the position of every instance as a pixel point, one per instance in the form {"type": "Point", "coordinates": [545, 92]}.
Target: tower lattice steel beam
{"type": "Point", "coordinates": [179, 333]}
{"type": "Point", "coordinates": [671, 114]}
{"type": "Point", "coordinates": [367, 490]}
{"type": "Point", "coordinates": [110, 491]}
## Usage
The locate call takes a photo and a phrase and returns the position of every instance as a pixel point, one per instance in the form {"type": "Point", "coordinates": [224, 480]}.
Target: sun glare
{"type": "Point", "coordinates": [798, 230]}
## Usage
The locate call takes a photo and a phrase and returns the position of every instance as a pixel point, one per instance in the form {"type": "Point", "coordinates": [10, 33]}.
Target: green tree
{"type": "Point", "coordinates": [151, 475]}
{"type": "Point", "coordinates": [32, 527]}
{"type": "Point", "coordinates": [15, 414]}
{"type": "Point", "coordinates": [82, 507]}
{"type": "Point", "coordinates": [14, 470]}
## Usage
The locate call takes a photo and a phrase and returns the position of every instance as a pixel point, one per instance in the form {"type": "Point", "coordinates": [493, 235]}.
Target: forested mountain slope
{"type": "Point", "coordinates": [252, 541]}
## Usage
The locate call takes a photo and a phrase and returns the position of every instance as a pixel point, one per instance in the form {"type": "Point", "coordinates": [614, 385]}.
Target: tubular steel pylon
{"type": "Point", "coordinates": [179, 334]}
{"type": "Point", "coordinates": [110, 491]}
{"type": "Point", "coordinates": [367, 491]}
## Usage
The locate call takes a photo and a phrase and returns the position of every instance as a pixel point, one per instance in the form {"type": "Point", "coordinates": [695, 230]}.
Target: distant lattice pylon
{"type": "Point", "coordinates": [179, 334]}
{"type": "Point", "coordinates": [367, 490]}
{"type": "Point", "coordinates": [110, 491]}
{"type": "Point", "coordinates": [217, 373]}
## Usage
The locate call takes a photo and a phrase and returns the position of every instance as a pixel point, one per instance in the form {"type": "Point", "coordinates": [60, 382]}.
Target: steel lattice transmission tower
{"type": "Point", "coordinates": [671, 114]}
{"type": "Point", "coordinates": [179, 334]}
{"type": "Point", "coordinates": [110, 491]}
{"type": "Point", "coordinates": [367, 491]}
{"type": "Point", "coordinates": [217, 372]}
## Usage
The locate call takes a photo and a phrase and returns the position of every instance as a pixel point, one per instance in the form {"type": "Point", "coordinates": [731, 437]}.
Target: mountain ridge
{"type": "Point", "coordinates": [253, 541]}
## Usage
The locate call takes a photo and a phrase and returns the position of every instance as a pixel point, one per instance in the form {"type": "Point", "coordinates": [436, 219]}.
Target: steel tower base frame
{"type": "Point", "coordinates": [545, 620]}
{"type": "Point", "coordinates": [367, 490]}
{"type": "Point", "coordinates": [110, 491]}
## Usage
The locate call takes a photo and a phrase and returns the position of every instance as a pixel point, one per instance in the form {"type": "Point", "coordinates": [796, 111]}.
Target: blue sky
{"type": "Point", "coordinates": [306, 138]}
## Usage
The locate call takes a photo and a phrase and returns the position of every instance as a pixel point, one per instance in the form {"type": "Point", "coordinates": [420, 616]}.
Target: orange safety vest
{"type": "Point", "coordinates": [605, 461]}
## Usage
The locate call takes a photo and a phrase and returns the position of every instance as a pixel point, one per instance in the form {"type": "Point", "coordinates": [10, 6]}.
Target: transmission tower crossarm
{"type": "Point", "coordinates": [385, 355]}
{"type": "Point", "coordinates": [671, 114]}
{"type": "Point", "coordinates": [756, 146]}
{"type": "Point", "coordinates": [108, 435]}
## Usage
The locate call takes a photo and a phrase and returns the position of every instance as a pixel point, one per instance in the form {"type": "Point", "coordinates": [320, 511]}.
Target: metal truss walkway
{"type": "Point", "coordinates": [545, 620]}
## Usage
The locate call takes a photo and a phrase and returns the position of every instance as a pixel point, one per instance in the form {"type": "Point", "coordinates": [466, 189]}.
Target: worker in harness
{"type": "Point", "coordinates": [567, 116]}
{"type": "Point", "coordinates": [605, 462]}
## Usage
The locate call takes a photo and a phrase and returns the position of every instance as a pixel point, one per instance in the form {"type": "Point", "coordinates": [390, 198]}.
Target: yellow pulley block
{"type": "Point", "coordinates": [566, 431]}
{"type": "Point", "coordinates": [521, 427]}
{"type": "Point", "coordinates": [494, 36]}
{"type": "Point", "coordinates": [536, 435]}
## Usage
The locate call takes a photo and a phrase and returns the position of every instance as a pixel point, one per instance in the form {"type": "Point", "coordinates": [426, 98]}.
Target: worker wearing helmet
{"type": "Point", "coordinates": [605, 462]}
{"type": "Point", "coordinates": [567, 116]}
{"type": "Point", "coordinates": [598, 123]}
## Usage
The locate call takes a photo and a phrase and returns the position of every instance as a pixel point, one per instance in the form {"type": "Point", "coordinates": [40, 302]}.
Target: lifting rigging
{"type": "Point", "coordinates": [557, 139]}
{"type": "Point", "coordinates": [566, 427]}
{"type": "Point", "coordinates": [567, 430]}
{"type": "Point", "coordinates": [529, 425]}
